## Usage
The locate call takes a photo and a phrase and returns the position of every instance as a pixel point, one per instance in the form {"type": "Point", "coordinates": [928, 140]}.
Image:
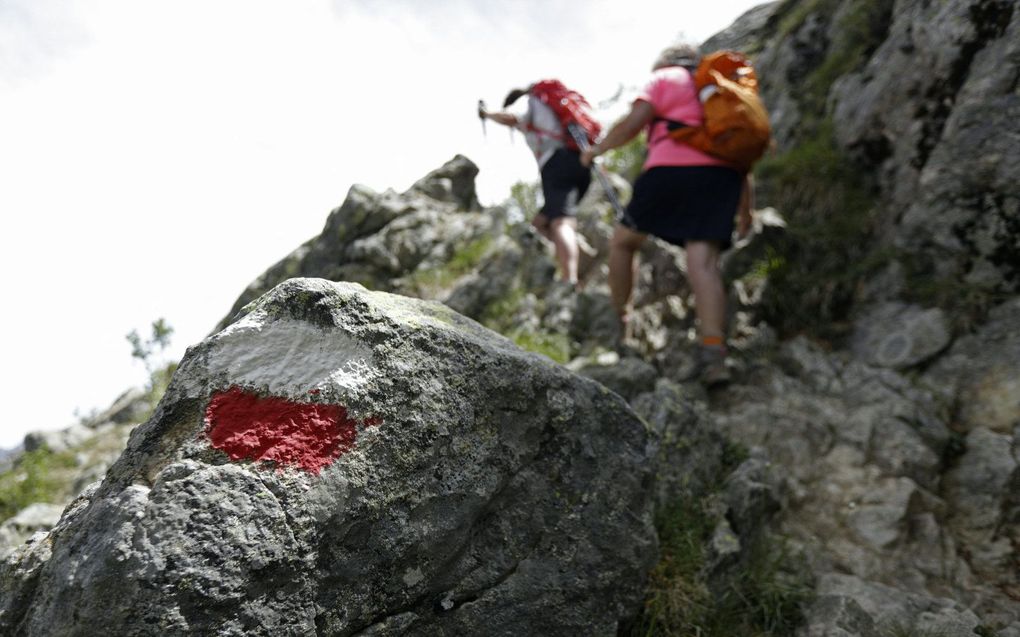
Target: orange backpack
{"type": "Point", "coordinates": [736, 127]}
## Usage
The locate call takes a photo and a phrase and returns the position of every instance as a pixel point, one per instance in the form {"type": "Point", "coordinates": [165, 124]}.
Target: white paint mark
{"type": "Point", "coordinates": [289, 358]}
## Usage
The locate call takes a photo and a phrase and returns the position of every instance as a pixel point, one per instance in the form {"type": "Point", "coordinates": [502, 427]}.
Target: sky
{"type": "Point", "coordinates": [155, 157]}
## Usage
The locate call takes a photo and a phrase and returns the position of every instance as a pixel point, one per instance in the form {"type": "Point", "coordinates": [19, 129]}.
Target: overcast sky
{"type": "Point", "coordinates": [155, 157]}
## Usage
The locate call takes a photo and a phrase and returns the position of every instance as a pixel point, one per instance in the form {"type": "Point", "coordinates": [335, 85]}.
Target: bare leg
{"type": "Point", "coordinates": [706, 281]}
{"type": "Point", "coordinates": [622, 267]}
{"type": "Point", "coordinates": [541, 223]}
{"type": "Point", "coordinates": [564, 237]}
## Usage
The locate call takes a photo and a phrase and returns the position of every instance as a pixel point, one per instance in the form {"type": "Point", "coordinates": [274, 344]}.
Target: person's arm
{"type": "Point", "coordinates": [641, 114]}
{"type": "Point", "coordinates": [744, 217]}
{"type": "Point", "coordinates": [501, 117]}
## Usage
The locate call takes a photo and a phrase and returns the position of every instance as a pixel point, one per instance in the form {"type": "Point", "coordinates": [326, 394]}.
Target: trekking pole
{"type": "Point", "coordinates": [481, 116]}
{"type": "Point", "coordinates": [600, 173]}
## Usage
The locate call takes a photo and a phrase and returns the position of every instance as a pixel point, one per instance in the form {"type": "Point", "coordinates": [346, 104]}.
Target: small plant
{"type": "Point", "coordinates": [764, 600]}
{"type": "Point", "coordinates": [463, 261]}
{"type": "Point", "coordinates": [156, 344]}
{"type": "Point", "coordinates": [37, 476]}
{"type": "Point", "coordinates": [150, 352]}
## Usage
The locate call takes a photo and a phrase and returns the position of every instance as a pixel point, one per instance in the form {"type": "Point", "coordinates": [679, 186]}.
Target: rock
{"type": "Point", "coordinates": [628, 377]}
{"type": "Point", "coordinates": [494, 280]}
{"type": "Point", "coordinates": [594, 320]}
{"type": "Point", "coordinates": [745, 30]}
{"type": "Point", "coordinates": [339, 461]}
{"type": "Point", "coordinates": [368, 240]}
{"type": "Point", "coordinates": [690, 450]}
{"type": "Point", "coordinates": [30, 520]}
{"type": "Point", "coordinates": [131, 407]}
{"type": "Point", "coordinates": [899, 450]}
{"type": "Point", "coordinates": [979, 484]}
{"type": "Point", "coordinates": [58, 440]}
{"type": "Point", "coordinates": [752, 497]}
{"type": "Point", "coordinates": [882, 518]}
{"type": "Point", "coordinates": [808, 361]}
{"type": "Point", "coordinates": [453, 182]}
{"type": "Point", "coordinates": [897, 335]}
{"type": "Point", "coordinates": [837, 616]}
{"type": "Point", "coordinates": [935, 108]}
{"type": "Point", "coordinates": [981, 373]}
{"type": "Point", "coordinates": [892, 609]}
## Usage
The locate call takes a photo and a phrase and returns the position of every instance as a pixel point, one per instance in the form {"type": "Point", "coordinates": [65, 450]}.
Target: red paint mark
{"type": "Point", "coordinates": [305, 435]}
{"type": "Point", "coordinates": [314, 392]}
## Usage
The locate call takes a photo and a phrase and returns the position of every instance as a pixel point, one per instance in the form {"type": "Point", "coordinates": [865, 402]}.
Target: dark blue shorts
{"type": "Point", "coordinates": [686, 203]}
{"type": "Point", "coordinates": [564, 182]}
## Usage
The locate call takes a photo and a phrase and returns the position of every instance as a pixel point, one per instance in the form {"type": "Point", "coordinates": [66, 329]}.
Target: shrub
{"type": "Point", "coordinates": [37, 476]}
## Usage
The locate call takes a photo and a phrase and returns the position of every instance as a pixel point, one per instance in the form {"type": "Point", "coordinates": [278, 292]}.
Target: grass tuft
{"type": "Point", "coordinates": [765, 600]}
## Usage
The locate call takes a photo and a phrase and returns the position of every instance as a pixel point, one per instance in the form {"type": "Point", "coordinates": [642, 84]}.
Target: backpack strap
{"type": "Point", "coordinates": [671, 125]}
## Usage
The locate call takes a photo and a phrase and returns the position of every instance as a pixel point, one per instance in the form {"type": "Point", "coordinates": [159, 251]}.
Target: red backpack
{"type": "Point", "coordinates": [570, 107]}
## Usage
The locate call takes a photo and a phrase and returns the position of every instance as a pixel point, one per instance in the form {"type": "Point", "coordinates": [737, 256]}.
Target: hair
{"type": "Point", "coordinates": [683, 54]}
{"type": "Point", "coordinates": [514, 95]}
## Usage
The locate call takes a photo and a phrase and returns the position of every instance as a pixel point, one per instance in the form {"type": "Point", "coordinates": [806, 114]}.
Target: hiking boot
{"type": "Point", "coordinates": [712, 366]}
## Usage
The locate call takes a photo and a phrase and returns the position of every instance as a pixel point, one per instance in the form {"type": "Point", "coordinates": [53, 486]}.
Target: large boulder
{"type": "Point", "coordinates": [981, 373]}
{"type": "Point", "coordinates": [339, 461]}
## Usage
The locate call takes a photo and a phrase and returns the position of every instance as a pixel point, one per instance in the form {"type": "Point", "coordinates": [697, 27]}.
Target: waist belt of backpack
{"type": "Point", "coordinates": [671, 125]}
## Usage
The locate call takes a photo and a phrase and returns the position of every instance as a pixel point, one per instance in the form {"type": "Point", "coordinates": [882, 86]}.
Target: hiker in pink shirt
{"type": "Point", "coordinates": [684, 197]}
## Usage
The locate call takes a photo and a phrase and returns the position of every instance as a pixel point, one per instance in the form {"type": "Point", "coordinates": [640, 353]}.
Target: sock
{"type": "Point", "coordinates": [712, 341]}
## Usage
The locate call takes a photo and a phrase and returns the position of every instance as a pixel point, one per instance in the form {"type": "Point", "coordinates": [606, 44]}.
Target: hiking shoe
{"type": "Point", "coordinates": [712, 366]}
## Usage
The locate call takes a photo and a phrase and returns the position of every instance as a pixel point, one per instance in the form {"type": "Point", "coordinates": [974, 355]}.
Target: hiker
{"type": "Point", "coordinates": [683, 196]}
{"type": "Point", "coordinates": [564, 179]}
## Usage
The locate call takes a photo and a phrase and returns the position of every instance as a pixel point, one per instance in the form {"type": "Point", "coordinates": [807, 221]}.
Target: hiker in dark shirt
{"type": "Point", "coordinates": [564, 179]}
{"type": "Point", "coordinates": [683, 196]}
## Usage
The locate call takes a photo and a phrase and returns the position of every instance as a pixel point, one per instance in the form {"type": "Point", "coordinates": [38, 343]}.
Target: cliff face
{"type": "Point", "coordinates": [877, 356]}
{"type": "Point", "coordinates": [920, 100]}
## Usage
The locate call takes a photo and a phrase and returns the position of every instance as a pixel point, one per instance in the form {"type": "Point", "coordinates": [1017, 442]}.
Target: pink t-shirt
{"type": "Point", "coordinates": [672, 94]}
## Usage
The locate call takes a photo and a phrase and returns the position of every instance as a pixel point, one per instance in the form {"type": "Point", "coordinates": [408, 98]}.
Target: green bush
{"type": "Point", "coordinates": [37, 476]}
{"type": "Point", "coordinates": [829, 248]}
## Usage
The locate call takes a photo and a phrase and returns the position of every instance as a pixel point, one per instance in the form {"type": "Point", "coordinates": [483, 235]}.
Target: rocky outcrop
{"type": "Point", "coordinates": [441, 481]}
{"type": "Point", "coordinates": [374, 238]}
{"type": "Point", "coordinates": [900, 529]}
{"type": "Point", "coordinates": [935, 111]}
{"type": "Point", "coordinates": [922, 96]}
